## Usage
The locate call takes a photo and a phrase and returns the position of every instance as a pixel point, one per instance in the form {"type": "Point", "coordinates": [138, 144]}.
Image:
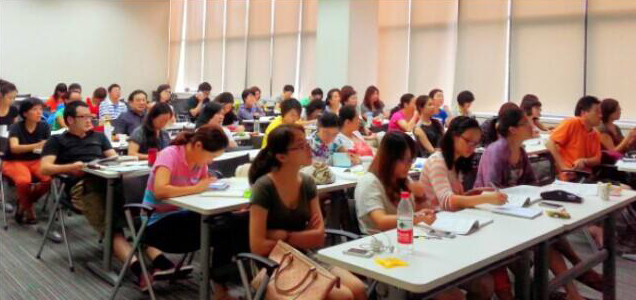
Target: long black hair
{"type": "Point", "coordinates": [148, 128]}
{"type": "Point", "coordinates": [509, 118]}
{"type": "Point", "coordinates": [392, 149]}
{"type": "Point", "coordinates": [457, 127]}
{"type": "Point", "coordinates": [208, 112]}
{"type": "Point", "coordinates": [61, 88]}
{"type": "Point", "coordinates": [278, 141]}
{"type": "Point", "coordinates": [156, 95]}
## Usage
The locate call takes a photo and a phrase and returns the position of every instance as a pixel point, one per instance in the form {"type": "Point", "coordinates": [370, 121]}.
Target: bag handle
{"type": "Point", "coordinates": [311, 272]}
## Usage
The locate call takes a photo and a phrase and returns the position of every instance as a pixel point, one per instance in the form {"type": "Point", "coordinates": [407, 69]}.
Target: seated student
{"type": "Point", "coordinates": [442, 175]}
{"type": "Point", "coordinates": [505, 164]}
{"type": "Point", "coordinates": [249, 110]}
{"type": "Point", "coordinates": [163, 94]}
{"type": "Point", "coordinates": [444, 114]}
{"type": "Point", "coordinates": [489, 127]}
{"type": "Point", "coordinates": [323, 142]}
{"type": "Point", "coordinates": [8, 112]}
{"type": "Point", "coordinates": [75, 87]}
{"type": "Point", "coordinates": [114, 106]}
{"type": "Point", "coordinates": [151, 134]}
{"type": "Point", "coordinates": [212, 114]}
{"type": "Point", "coordinates": [199, 100]}
{"type": "Point", "coordinates": [313, 111]}
{"type": "Point", "coordinates": [68, 153]}
{"type": "Point", "coordinates": [406, 117]}
{"type": "Point", "coordinates": [59, 121]}
{"type": "Point", "coordinates": [227, 101]}
{"type": "Point", "coordinates": [332, 103]}
{"type": "Point", "coordinates": [57, 98]}
{"type": "Point", "coordinates": [464, 100]}
{"type": "Point", "coordinates": [430, 130]}
{"type": "Point", "coordinates": [348, 97]}
{"type": "Point", "coordinates": [128, 121]}
{"type": "Point", "coordinates": [612, 138]}
{"type": "Point", "coordinates": [288, 92]}
{"type": "Point", "coordinates": [575, 144]}
{"type": "Point", "coordinates": [99, 94]}
{"type": "Point", "coordinates": [349, 137]}
{"type": "Point", "coordinates": [372, 104]}
{"type": "Point", "coordinates": [182, 169]}
{"type": "Point", "coordinates": [290, 110]}
{"type": "Point", "coordinates": [316, 94]}
{"type": "Point", "coordinates": [531, 105]}
{"type": "Point", "coordinates": [21, 164]}
{"type": "Point", "coordinates": [257, 97]}
{"type": "Point", "coordinates": [442, 170]}
{"type": "Point", "coordinates": [285, 203]}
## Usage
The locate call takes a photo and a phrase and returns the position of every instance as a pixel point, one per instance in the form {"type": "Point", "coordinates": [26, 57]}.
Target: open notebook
{"type": "Point", "coordinates": [457, 223]}
{"type": "Point", "coordinates": [519, 198]}
{"type": "Point", "coordinates": [227, 189]}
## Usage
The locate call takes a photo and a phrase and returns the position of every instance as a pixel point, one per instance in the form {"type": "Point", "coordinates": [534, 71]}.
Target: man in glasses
{"type": "Point", "coordinates": [68, 153]}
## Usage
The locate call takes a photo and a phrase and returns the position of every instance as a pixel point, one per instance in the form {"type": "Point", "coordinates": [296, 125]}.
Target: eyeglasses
{"type": "Point", "coordinates": [303, 146]}
{"type": "Point", "coordinates": [469, 142]}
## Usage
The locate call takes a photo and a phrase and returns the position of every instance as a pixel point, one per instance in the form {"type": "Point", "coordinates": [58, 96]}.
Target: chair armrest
{"type": "Point", "coordinates": [341, 233]}
{"type": "Point", "coordinates": [261, 261]}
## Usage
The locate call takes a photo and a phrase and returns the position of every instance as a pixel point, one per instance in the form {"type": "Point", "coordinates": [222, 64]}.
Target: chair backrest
{"type": "Point", "coordinates": [228, 167]}
{"type": "Point", "coordinates": [180, 107]}
{"type": "Point", "coordinates": [353, 225]}
{"type": "Point", "coordinates": [134, 187]}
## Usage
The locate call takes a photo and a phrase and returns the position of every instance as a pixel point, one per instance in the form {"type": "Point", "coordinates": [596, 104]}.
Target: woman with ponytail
{"type": "Point", "coordinates": [285, 203]}
{"type": "Point", "coordinates": [406, 116]}
{"type": "Point", "coordinates": [182, 169]}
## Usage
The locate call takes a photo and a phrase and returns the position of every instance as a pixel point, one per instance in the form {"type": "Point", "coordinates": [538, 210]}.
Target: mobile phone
{"type": "Point", "coordinates": [358, 252]}
{"type": "Point", "coordinates": [551, 205]}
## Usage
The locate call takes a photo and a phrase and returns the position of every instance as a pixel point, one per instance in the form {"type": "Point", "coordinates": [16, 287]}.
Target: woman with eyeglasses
{"type": "Point", "coordinates": [442, 170]}
{"type": "Point", "coordinates": [443, 187]}
{"type": "Point", "coordinates": [285, 203]}
{"type": "Point", "coordinates": [505, 164]}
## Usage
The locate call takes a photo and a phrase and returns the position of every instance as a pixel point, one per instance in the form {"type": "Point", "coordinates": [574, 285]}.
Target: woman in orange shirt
{"type": "Point", "coordinates": [57, 98]}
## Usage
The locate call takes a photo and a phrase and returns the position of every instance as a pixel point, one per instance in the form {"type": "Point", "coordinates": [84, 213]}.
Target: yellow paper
{"type": "Point", "coordinates": [391, 262]}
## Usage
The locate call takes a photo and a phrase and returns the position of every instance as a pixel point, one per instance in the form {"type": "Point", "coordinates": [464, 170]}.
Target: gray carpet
{"type": "Point", "coordinates": [22, 276]}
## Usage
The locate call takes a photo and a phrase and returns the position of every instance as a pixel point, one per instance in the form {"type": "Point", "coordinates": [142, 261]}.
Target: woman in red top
{"type": "Point", "coordinates": [57, 98]}
{"type": "Point", "coordinates": [93, 105]}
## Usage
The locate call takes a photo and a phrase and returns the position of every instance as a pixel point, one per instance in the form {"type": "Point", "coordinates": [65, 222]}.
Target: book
{"type": "Point", "coordinates": [520, 212]}
{"type": "Point", "coordinates": [342, 160]}
{"type": "Point", "coordinates": [457, 223]}
{"type": "Point", "coordinates": [522, 195]}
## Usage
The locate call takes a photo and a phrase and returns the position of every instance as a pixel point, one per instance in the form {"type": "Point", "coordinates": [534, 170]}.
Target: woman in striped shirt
{"type": "Point", "coordinates": [442, 171]}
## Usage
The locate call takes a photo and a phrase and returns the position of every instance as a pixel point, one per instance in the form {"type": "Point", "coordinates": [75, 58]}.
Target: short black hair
{"type": "Point", "coordinates": [205, 87]}
{"type": "Point", "coordinates": [347, 113]}
{"type": "Point", "coordinates": [329, 120]}
{"type": "Point", "coordinates": [290, 104]}
{"type": "Point", "coordinates": [314, 105]}
{"type": "Point", "coordinates": [224, 98]}
{"type": "Point", "coordinates": [70, 110]}
{"type": "Point", "coordinates": [111, 87]}
{"type": "Point", "coordinates": [528, 102]}
{"type": "Point", "coordinates": [316, 91]}
{"type": "Point", "coordinates": [246, 93]}
{"type": "Point", "coordinates": [74, 86]}
{"type": "Point", "coordinates": [465, 97]}
{"type": "Point", "coordinates": [585, 104]}
{"type": "Point", "coordinates": [7, 87]}
{"type": "Point", "coordinates": [288, 88]}
{"type": "Point", "coordinates": [28, 103]}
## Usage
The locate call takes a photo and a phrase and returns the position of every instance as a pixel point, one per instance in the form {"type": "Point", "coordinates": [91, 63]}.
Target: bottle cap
{"type": "Point", "coordinates": [405, 195]}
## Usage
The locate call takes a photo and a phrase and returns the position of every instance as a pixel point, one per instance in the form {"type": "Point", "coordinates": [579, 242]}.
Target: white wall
{"type": "Point", "coordinates": [92, 42]}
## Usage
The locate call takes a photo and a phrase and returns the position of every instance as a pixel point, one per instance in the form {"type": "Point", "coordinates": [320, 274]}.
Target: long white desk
{"type": "Point", "coordinates": [233, 154]}
{"type": "Point", "coordinates": [438, 263]}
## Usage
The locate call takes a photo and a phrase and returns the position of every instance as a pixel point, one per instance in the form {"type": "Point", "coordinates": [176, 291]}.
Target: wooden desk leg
{"type": "Point", "coordinates": [541, 270]}
{"type": "Point", "coordinates": [609, 265]}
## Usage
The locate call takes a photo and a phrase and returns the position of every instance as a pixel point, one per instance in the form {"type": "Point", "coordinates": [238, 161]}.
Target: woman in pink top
{"type": "Point", "coordinates": [182, 169]}
{"type": "Point", "coordinates": [406, 117]}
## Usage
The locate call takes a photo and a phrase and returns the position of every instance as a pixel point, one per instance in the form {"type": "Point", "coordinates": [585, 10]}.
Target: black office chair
{"type": "Point", "coordinates": [227, 167]}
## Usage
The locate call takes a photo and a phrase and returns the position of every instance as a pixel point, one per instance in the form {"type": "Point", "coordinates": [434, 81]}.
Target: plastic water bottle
{"type": "Point", "coordinates": [405, 224]}
{"type": "Point", "coordinates": [108, 129]}
{"type": "Point", "coordinates": [257, 124]}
